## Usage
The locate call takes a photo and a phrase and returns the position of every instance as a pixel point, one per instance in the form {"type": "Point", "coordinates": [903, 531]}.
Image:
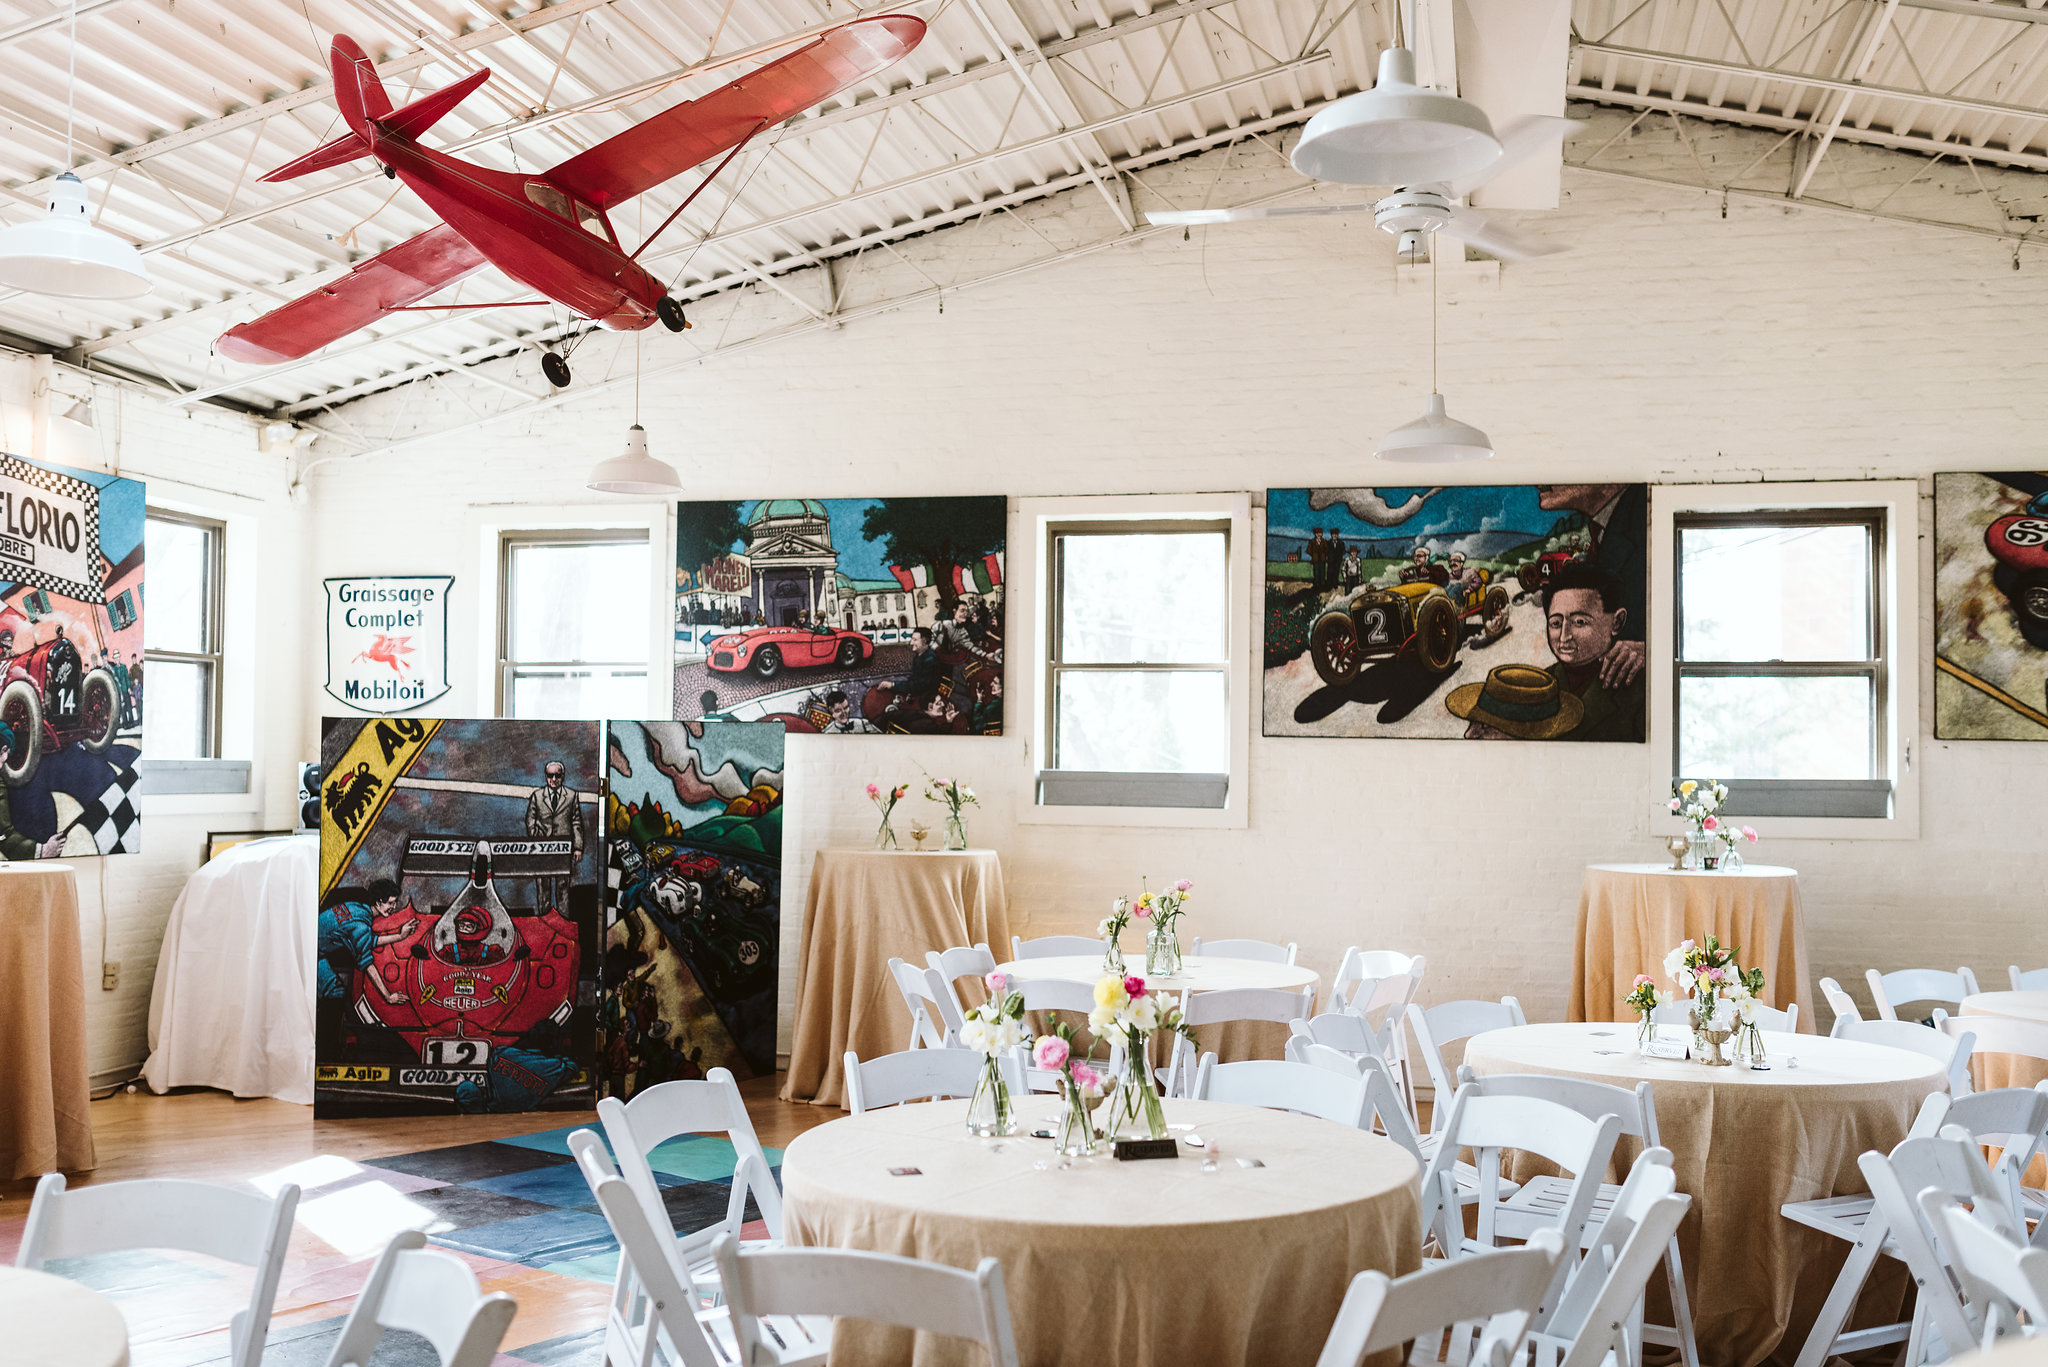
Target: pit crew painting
{"type": "Point", "coordinates": [842, 616]}
{"type": "Point", "coordinates": [1991, 606]}
{"type": "Point", "coordinates": [1494, 612]}
{"type": "Point", "coordinates": [693, 821]}
{"type": "Point", "coordinates": [459, 916]}
{"type": "Point", "coordinates": [72, 549]}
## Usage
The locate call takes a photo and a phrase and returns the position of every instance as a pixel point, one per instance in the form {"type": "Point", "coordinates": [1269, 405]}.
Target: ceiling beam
{"type": "Point", "coordinates": [61, 15]}
{"type": "Point", "coordinates": [2017, 13]}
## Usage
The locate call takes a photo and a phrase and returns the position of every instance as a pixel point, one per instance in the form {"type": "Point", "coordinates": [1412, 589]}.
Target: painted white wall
{"type": "Point", "coordinates": [1672, 344]}
{"type": "Point", "coordinates": [205, 461]}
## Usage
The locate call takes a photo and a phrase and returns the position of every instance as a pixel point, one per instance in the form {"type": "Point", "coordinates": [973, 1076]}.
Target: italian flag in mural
{"type": "Point", "coordinates": [980, 577]}
{"type": "Point", "coordinates": [913, 577]}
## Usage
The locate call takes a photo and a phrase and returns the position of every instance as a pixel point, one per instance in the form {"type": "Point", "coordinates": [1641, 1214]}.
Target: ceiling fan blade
{"type": "Point", "coordinates": [1498, 239]}
{"type": "Point", "coordinates": [1182, 217]}
{"type": "Point", "coordinates": [1520, 140]}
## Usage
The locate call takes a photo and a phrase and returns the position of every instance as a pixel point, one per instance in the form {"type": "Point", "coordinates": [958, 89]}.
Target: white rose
{"type": "Point", "coordinates": [1674, 963]}
{"type": "Point", "coordinates": [1686, 980]}
{"type": "Point", "coordinates": [974, 1034]}
{"type": "Point", "coordinates": [1736, 990]}
{"type": "Point", "coordinates": [1101, 1019]}
{"type": "Point", "coordinates": [1104, 928]}
{"type": "Point", "coordinates": [1145, 1013]}
{"type": "Point", "coordinates": [1747, 1008]}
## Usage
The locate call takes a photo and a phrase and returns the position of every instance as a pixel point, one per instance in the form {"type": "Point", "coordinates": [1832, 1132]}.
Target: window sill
{"type": "Point", "coordinates": [181, 777]}
{"type": "Point", "coordinates": [1124, 791]}
{"type": "Point", "coordinates": [1663, 826]}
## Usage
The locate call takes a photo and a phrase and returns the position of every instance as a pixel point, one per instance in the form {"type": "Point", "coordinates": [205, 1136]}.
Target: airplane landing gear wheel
{"type": "Point", "coordinates": [670, 311]}
{"type": "Point", "coordinates": [555, 368]}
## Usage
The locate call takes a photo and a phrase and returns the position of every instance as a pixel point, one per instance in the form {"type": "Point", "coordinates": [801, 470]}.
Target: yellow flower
{"type": "Point", "coordinates": [1686, 788]}
{"type": "Point", "coordinates": [1110, 994]}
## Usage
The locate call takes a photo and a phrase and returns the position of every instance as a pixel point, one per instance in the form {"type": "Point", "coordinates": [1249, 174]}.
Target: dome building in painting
{"type": "Point", "coordinates": [795, 568]}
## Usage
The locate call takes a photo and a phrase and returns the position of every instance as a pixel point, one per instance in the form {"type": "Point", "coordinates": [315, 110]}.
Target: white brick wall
{"type": "Point", "coordinates": [1672, 344]}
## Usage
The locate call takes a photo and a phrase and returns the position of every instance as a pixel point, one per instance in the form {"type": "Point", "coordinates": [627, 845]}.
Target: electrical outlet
{"type": "Point", "coordinates": [110, 975]}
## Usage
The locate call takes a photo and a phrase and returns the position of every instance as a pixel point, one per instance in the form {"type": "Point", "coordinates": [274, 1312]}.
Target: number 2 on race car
{"type": "Point", "coordinates": [1375, 623]}
{"type": "Point", "coordinates": [455, 1053]}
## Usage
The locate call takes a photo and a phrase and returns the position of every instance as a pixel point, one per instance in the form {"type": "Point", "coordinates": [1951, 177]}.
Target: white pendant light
{"type": "Point", "coordinates": [64, 253]}
{"type": "Point", "coordinates": [635, 472]}
{"type": "Point", "coordinates": [1435, 437]}
{"type": "Point", "coordinates": [79, 412]}
{"type": "Point", "coordinates": [1397, 133]}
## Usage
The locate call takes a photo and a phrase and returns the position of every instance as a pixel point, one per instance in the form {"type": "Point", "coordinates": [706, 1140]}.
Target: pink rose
{"type": "Point", "coordinates": [1134, 987]}
{"type": "Point", "coordinates": [997, 982]}
{"type": "Point", "coordinates": [1749, 834]}
{"type": "Point", "coordinates": [1712, 823]}
{"type": "Point", "coordinates": [1086, 1078]}
{"type": "Point", "coordinates": [873, 791]}
{"type": "Point", "coordinates": [1050, 1052]}
{"type": "Point", "coordinates": [1184, 885]}
{"type": "Point", "coordinates": [1715, 974]}
{"type": "Point", "coordinates": [1642, 978]}
{"type": "Point", "coordinates": [1144, 909]}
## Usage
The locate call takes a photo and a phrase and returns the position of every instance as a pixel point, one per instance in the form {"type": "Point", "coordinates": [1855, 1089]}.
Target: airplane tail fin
{"type": "Point", "coordinates": [367, 111]}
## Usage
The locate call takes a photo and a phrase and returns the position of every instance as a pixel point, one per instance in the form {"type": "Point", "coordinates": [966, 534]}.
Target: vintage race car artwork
{"type": "Point", "coordinates": [1991, 606]}
{"type": "Point", "coordinates": [458, 944]}
{"type": "Point", "coordinates": [1388, 610]}
{"type": "Point", "coordinates": [765, 652]}
{"type": "Point", "coordinates": [50, 700]}
{"type": "Point", "coordinates": [694, 863]}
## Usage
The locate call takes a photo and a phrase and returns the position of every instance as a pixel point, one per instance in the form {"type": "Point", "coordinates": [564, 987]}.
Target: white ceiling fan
{"type": "Point", "coordinates": [1434, 146]}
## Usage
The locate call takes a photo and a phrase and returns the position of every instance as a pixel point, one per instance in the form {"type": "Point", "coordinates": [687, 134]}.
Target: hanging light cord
{"type": "Point", "coordinates": [636, 379]}
{"type": "Point", "coordinates": [1433, 387]}
{"type": "Point", "coordinates": [71, 91]}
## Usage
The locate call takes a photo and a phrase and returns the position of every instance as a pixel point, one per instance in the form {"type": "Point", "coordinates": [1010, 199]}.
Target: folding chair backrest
{"type": "Point", "coordinates": [1054, 946]}
{"type": "Point", "coordinates": [1285, 1086]}
{"type": "Point", "coordinates": [1999, 1035]}
{"type": "Point", "coordinates": [879, 1287]}
{"type": "Point", "coordinates": [1634, 1108]}
{"type": "Point", "coordinates": [927, 1000]}
{"type": "Point", "coordinates": [1382, 1098]}
{"type": "Point", "coordinates": [2001, 1279]}
{"type": "Point", "coordinates": [1447, 1023]}
{"type": "Point", "coordinates": [1262, 951]}
{"type": "Point", "coordinates": [947, 968]}
{"type": "Point", "coordinates": [1345, 1031]}
{"type": "Point", "coordinates": [1231, 1004]}
{"type": "Point", "coordinates": [2032, 980]}
{"type": "Point", "coordinates": [1606, 1285]}
{"type": "Point", "coordinates": [1952, 1164]}
{"type": "Point", "coordinates": [1388, 963]}
{"type": "Point", "coordinates": [1487, 1301]}
{"type": "Point", "coordinates": [1057, 994]}
{"type": "Point", "coordinates": [426, 1292]}
{"type": "Point", "coordinates": [1488, 1124]}
{"type": "Point", "coordinates": [1951, 1051]}
{"type": "Point", "coordinates": [710, 1105]}
{"type": "Point", "coordinates": [195, 1217]}
{"type": "Point", "coordinates": [2015, 1119]}
{"type": "Point", "coordinates": [1892, 990]}
{"type": "Point", "coordinates": [651, 1291]}
{"type": "Point", "coordinates": [1840, 1002]}
{"type": "Point", "coordinates": [912, 1075]}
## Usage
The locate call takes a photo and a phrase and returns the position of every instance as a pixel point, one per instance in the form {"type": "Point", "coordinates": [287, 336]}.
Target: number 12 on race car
{"type": "Point", "coordinates": [455, 1053]}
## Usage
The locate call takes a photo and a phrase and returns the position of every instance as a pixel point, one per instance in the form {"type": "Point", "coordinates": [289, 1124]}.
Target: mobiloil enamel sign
{"type": "Point", "coordinates": [387, 641]}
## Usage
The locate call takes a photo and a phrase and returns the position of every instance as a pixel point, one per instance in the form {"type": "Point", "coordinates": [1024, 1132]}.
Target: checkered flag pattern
{"type": "Point", "coordinates": [50, 482]}
{"type": "Point", "coordinates": [111, 818]}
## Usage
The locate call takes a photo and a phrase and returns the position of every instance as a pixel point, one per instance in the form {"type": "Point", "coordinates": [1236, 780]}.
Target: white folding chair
{"type": "Point", "coordinates": [2002, 1279]}
{"type": "Point", "coordinates": [655, 1318]}
{"type": "Point", "coordinates": [1379, 984]}
{"type": "Point", "coordinates": [845, 1283]}
{"type": "Point", "coordinates": [927, 1000]}
{"type": "Point", "coordinates": [1907, 985]}
{"type": "Point", "coordinates": [194, 1217]}
{"type": "Point", "coordinates": [1601, 1311]}
{"type": "Point", "coordinates": [1539, 1202]}
{"type": "Point", "coordinates": [1951, 1051]}
{"type": "Point", "coordinates": [951, 965]}
{"type": "Point", "coordinates": [711, 1105]}
{"type": "Point", "coordinates": [1283, 1085]}
{"type": "Point", "coordinates": [1386, 1106]}
{"type": "Point", "coordinates": [1997, 1035]}
{"type": "Point", "coordinates": [1769, 1018]}
{"type": "Point", "coordinates": [913, 1075]}
{"type": "Point", "coordinates": [1055, 946]}
{"type": "Point", "coordinates": [1476, 1311]}
{"type": "Point", "coordinates": [1840, 1002]}
{"type": "Point", "coordinates": [1447, 1023]}
{"type": "Point", "coordinates": [2033, 980]}
{"type": "Point", "coordinates": [423, 1291]}
{"type": "Point", "coordinates": [1262, 951]}
{"type": "Point", "coordinates": [1230, 1004]}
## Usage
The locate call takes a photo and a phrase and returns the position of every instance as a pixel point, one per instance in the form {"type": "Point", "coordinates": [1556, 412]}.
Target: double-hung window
{"type": "Point", "coordinates": [183, 556]}
{"type": "Point", "coordinates": [573, 624]}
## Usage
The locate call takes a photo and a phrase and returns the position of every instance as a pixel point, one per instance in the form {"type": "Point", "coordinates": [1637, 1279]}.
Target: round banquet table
{"type": "Point", "coordinates": [1632, 915]}
{"type": "Point", "coordinates": [1230, 1041]}
{"type": "Point", "coordinates": [1126, 1263]}
{"type": "Point", "coordinates": [866, 907]}
{"type": "Point", "coordinates": [52, 1322]}
{"type": "Point", "coordinates": [44, 1090]}
{"type": "Point", "coordinates": [1744, 1143]}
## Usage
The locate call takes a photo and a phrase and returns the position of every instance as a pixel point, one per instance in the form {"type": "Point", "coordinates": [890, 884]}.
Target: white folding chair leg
{"type": "Point", "coordinates": [1678, 1334]}
{"type": "Point", "coordinates": [1826, 1339]}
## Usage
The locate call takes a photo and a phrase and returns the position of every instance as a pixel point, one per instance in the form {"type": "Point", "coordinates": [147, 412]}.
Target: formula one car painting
{"type": "Point", "coordinates": [767, 651]}
{"type": "Point", "coordinates": [1420, 621]}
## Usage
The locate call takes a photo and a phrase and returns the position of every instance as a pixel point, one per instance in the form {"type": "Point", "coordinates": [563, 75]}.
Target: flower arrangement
{"type": "Point", "coordinates": [1111, 927]}
{"type": "Point", "coordinates": [1644, 998]}
{"type": "Point", "coordinates": [1163, 910]}
{"type": "Point", "coordinates": [1126, 1008]}
{"type": "Point", "coordinates": [1079, 1080]}
{"type": "Point", "coordinates": [1698, 802]}
{"type": "Point", "coordinates": [992, 1029]}
{"type": "Point", "coordinates": [1724, 996]}
{"type": "Point", "coordinates": [957, 796]}
{"type": "Point", "coordinates": [885, 800]}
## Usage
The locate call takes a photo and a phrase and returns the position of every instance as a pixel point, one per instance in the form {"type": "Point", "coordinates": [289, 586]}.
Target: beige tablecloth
{"type": "Point", "coordinates": [1106, 1262]}
{"type": "Point", "coordinates": [54, 1322]}
{"type": "Point", "coordinates": [1632, 915]}
{"type": "Point", "coordinates": [2008, 1070]}
{"type": "Point", "coordinates": [1230, 1041]}
{"type": "Point", "coordinates": [1744, 1143]}
{"type": "Point", "coordinates": [44, 1093]}
{"type": "Point", "coordinates": [865, 908]}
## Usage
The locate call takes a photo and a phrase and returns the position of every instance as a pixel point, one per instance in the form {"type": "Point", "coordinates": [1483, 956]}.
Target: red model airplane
{"type": "Point", "coordinates": [549, 231]}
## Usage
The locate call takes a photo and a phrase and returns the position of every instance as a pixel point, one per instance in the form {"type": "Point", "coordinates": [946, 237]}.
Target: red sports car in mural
{"type": "Point", "coordinates": [767, 651]}
{"type": "Point", "coordinates": [49, 699]}
{"type": "Point", "coordinates": [2019, 541]}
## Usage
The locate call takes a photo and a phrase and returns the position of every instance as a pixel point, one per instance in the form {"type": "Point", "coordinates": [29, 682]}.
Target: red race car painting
{"type": "Point", "coordinates": [550, 231]}
{"type": "Point", "coordinates": [767, 651]}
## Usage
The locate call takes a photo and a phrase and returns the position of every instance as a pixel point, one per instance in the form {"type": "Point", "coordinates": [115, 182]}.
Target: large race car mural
{"type": "Point", "coordinates": [1991, 606]}
{"type": "Point", "coordinates": [694, 851]}
{"type": "Point", "coordinates": [765, 652]}
{"type": "Point", "coordinates": [459, 922]}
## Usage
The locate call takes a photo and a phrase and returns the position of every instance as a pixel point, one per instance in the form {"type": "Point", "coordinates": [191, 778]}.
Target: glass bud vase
{"type": "Point", "coordinates": [1075, 1134]}
{"type": "Point", "coordinates": [1646, 1032]}
{"type": "Point", "coordinates": [1112, 958]}
{"type": "Point", "coordinates": [956, 831]}
{"type": "Point", "coordinates": [885, 836]}
{"type": "Point", "coordinates": [1162, 952]}
{"type": "Point", "coordinates": [1696, 850]}
{"type": "Point", "coordinates": [990, 1112]}
{"type": "Point", "coordinates": [1731, 862]}
{"type": "Point", "coordinates": [1140, 1114]}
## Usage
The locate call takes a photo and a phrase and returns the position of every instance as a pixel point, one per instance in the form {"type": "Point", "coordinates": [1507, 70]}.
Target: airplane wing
{"type": "Point", "coordinates": [663, 147]}
{"type": "Point", "coordinates": [409, 272]}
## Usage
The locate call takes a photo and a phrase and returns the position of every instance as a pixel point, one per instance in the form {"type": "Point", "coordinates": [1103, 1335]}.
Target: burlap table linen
{"type": "Point", "coordinates": [44, 1091]}
{"type": "Point", "coordinates": [1230, 1041]}
{"type": "Point", "coordinates": [1632, 915]}
{"type": "Point", "coordinates": [1743, 1144]}
{"type": "Point", "coordinates": [1115, 1264]}
{"type": "Point", "coordinates": [2008, 1070]}
{"type": "Point", "coordinates": [55, 1322]}
{"type": "Point", "coordinates": [865, 908]}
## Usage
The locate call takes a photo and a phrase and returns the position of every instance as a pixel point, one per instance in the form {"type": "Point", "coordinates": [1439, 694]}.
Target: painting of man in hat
{"type": "Point", "coordinates": [1591, 692]}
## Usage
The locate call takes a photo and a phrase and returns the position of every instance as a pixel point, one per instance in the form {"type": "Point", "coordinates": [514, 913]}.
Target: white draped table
{"type": "Point", "coordinates": [1177, 1263]}
{"type": "Point", "coordinates": [53, 1322]}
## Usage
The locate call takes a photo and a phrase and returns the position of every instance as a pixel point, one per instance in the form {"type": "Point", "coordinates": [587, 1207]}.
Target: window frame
{"type": "Point", "coordinates": [1895, 583]}
{"type": "Point", "coordinates": [1033, 618]}
{"type": "Point", "coordinates": [509, 540]}
{"type": "Point", "coordinates": [213, 593]}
